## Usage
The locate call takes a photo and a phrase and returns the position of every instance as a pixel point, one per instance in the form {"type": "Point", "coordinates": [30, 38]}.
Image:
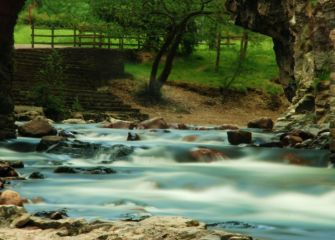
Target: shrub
{"type": "Point", "coordinates": [47, 93]}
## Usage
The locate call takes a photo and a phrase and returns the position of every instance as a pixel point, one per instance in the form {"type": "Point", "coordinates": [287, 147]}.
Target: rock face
{"type": "Point", "coordinates": [8, 14]}
{"type": "Point", "coordinates": [168, 228]}
{"type": "Point", "coordinates": [37, 128]}
{"type": "Point", "coordinates": [305, 55]}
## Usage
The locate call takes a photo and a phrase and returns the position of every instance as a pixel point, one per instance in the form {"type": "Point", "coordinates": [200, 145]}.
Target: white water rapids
{"type": "Point", "coordinates": [254, 191]}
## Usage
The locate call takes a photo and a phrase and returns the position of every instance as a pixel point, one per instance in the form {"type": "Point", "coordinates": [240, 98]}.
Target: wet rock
{"type": "Point", "coordinates": [49, 141]}
{"type": "Point", "coordinates": [119, 124]}
{"type": "Point", "coordinates": [239, 137]}
{"type": "Point", "coordinates": [67, 134]}
{"type": "Point", "coordinates": [6, 171]}
{"type": "Point", "coordinates": [271, 145]}
{"type": "Point", "coordinates": [9, 213]}
{"type": "Point", "coordinates": [295, 138]}
{"type": "Point", "coordinates": [13, 164]}
{"type": "Point", "coordinates": [191, 138]}
{"type": "Point", "coordinates": [294, 159]}
{"type": "Point", "coordinates": [36, 175]}
{"type": "Point", "coordinates": [169, 228]}
{"type": "Point", "coordinates": [54, 215]}
{"type": "Point", "coordinates": [65, 169]}
{"type": "Point", "coordinates": [74, 121]}
{"type": "Point", "coordinates": [262, 123]}
{"type": "Point", "coordinates": [37, 128]}
{"type": "Point", "coordinates": [182, 126]}
{"type": "Point", "coordinates": [22, 147]}
{"type": "Point", "coordinates": [133, 137]}
{"type": "Point", "coordinates": [207, 155]}
{"type": "Point", "coordinates": [21, 221]}
{"type": "Point", "coordinates": [10, 197]}
{"type": "Point", "coordinates": [96, 170]}
{"type": "Point", "coordinates": [154, 123]}
{"type": "Point", "coordinates": [227, 127]}
{"type": "Point", "coordinates": [292, 140]}
{"type": "Point", "coordinates": [78, 149]}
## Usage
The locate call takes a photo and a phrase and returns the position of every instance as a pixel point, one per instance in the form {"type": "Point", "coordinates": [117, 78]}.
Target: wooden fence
{"type": "Point", "coordinates": [80, 37]}
{"type": "Point", "coordinates": [75, 37]}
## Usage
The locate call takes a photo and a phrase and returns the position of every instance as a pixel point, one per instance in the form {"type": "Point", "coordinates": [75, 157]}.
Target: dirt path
{"type": "Point", "coordinates": [185, 106]}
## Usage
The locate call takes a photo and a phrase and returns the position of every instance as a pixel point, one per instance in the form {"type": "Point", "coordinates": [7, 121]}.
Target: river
{"type": "Point", "coordinates": [254, 191]}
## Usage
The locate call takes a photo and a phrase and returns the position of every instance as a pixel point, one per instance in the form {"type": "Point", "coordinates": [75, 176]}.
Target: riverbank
{"type": "Point", "coordinates": [184, 105]}
{"type": "Point", "coordinates": [17, 224]}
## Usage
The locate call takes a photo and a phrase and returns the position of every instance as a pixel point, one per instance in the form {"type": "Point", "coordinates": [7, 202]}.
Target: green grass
{"type": "Point", "coordinates": [256, 73]}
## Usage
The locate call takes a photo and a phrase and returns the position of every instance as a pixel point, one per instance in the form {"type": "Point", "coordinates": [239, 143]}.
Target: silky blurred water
{"type": "Point", "coordinates": [255, 191]}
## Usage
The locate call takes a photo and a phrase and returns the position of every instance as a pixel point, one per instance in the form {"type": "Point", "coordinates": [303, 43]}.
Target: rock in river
{"type": "Point", "coordinates": [37, 128]}
{"type": "Point", "coordinates": [49, 141]}
{"type": "Point", "coordinates": [10, 197]}
{"type": "Point", "coordinates": [6, 171]}
{"type": "Point", "coordinates": [262, 123]}
{"type": "Point", "coordinates": [239, 137]}
{"type": "Point", "coordinates": [154, 123]}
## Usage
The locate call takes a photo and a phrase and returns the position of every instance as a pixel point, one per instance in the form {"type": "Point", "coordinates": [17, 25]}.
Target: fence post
{"type": "Point", "coordinates": [74, 36]}
{"type": "Point", "coordinates": [94, 39]}
{"type": "Point", "coordinates": [109, 41]}
{"type": "Point", "coordinates": [121, 43]}
{"type": "Point", "coordinates": [32, 35]}
{"type": "Point", "coordinates": [80, 32]}
{"type": "Point", "coordinates": [138, 42]}
{"type": "Point", "coordinates": [53, 37]}
{"type": "Point", "coordinates": [100, 39]}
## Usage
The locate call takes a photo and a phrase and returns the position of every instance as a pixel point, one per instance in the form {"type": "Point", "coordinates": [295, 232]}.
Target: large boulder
{"type": "Point", "coordinates": [10, 197]}
{"type": "Point", "coordinates": [37, 128]}
{"type": "Point", "coordinates": [27, 113]}
{"type": "Point", "coordinates": [262, 123]}
{"type": "Point", "coordinates": [239, 137]}
{"type": "Point", "coordinates": [154, 123]}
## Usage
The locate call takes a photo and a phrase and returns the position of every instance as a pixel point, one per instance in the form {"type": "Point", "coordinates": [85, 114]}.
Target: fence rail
{"type": "Point", "coordinates": [80, 37]}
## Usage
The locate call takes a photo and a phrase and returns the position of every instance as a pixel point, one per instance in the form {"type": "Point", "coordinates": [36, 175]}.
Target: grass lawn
{"type": "Point", "coordinates": [257, 71]}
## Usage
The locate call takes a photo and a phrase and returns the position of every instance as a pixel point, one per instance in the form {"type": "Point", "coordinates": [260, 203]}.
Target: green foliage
{"type": "Point", "coordinates": [198, 69]}
{"type": "Point", "coordinates": [48, 92]}
{"type": "Point", "coordinates": [76, 105]}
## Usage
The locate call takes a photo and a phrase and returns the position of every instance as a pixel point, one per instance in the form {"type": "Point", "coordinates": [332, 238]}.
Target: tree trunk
{"type": "Point", "coordinates": [9, 10]}
{"type": "Point", "coordinates": [170, 57]}
{"type": "Point", "coordinates": [154, 88]}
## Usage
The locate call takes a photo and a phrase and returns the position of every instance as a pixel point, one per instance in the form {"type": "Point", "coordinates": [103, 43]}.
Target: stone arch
{"type": "Point", "coordinates": [300, 33]}
{"type": "Point", "coordinates": [9, 10]}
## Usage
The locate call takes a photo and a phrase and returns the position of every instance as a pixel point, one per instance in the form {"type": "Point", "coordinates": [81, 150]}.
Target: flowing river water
{"type": "Point", "coordinates": [254, 191]}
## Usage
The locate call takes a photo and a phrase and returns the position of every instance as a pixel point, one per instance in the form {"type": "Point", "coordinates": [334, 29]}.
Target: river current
{"type": "Point", "coordinates": [254, 191]}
